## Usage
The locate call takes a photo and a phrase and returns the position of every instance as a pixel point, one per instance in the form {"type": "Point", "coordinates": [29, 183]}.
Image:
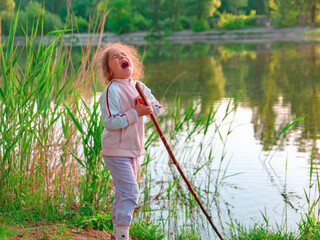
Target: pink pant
{"type": "Point", "coordinates": [124, 173]}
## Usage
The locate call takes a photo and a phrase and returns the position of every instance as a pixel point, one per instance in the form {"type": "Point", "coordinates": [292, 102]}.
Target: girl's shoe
{"type": "Point", "coordinates": [113, 237]}
{"type": "Point", "coordinates": [122, 233]}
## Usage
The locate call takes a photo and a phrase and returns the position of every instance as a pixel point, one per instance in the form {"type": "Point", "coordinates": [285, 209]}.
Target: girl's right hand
{"type": "Point", "coordinates": [143, 110]}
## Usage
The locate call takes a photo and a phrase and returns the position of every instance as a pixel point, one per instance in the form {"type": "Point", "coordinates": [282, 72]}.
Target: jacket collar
{"type": "Point", "coordinates": [123, 80]}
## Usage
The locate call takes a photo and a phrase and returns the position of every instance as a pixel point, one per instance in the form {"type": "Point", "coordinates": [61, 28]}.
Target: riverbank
{"type": "Point", "coordinates": [251, 35]}
{"type": "Point", "coordinates": [238, 35]}
{"type": "Point", "coordinates": [309, 229]}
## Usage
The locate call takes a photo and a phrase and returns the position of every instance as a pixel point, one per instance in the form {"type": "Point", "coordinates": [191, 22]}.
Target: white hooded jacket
{"type": "Point", "coordinates": [123, 133]}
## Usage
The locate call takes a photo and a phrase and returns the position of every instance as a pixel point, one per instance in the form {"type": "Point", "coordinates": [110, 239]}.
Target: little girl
{"type": "Point", "coordinates": [122, 139]}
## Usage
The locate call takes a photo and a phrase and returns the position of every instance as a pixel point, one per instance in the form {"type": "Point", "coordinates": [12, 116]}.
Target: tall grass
{"type": "Point", "coordinates": [50, 159]}
{"type": "Point", "coordinates": [199, 144]}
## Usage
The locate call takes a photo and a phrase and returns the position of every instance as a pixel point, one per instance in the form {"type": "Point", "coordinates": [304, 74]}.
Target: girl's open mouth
{"type": "Point", "coordinates": [125, 64]}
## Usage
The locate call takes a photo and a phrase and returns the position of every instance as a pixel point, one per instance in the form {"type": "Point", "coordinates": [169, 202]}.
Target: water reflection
{"type": "Point", "coordinates": [274, 77]}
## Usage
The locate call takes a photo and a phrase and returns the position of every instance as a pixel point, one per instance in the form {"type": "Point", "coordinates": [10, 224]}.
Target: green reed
{"type": "Point", "coordinates": [50, 147]}
{"type": "Point", "coordinates": [201, 161]}
{"type": "Point", "coordinates": [27, 120]}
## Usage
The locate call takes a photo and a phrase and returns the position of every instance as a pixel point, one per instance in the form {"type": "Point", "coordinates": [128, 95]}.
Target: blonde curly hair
{"type": "Point", "coordinates": [102, 65]}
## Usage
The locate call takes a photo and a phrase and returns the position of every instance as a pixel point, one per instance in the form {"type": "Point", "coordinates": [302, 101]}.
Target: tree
{"type": "Point", "coordinates": [6, 7]}
{"type": "Point", "coordinates": [174, 10]}
{"type": "Point", "coordinates": [236, 5]}
{"type": "Point", "coordinates": [55, 6]}
{"type": "Point", "coordinates": [286, 12]}
{"type": "Point", "coordinates": [35, 12]}
{"type": "Point", "coordinates": [311, 7]}
{"type": "Point", "coordinates": [201, 10]}
{"type": "Point", "coordinates": [258, 5]}
{"type": "Point", "coordinates": [151, 10]}
{"type": "Point", "coordinates": [120, 17]}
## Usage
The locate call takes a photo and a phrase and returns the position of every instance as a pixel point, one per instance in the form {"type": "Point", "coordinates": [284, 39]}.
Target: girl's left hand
{"type": "Point", "coordinates": [141, 109]}
{"type": "Point", "coordinates": [139, 99]}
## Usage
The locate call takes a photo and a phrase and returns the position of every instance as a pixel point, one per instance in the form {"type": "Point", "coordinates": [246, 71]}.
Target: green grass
{"type": "Point", "coordinates": [309, 229]}
{"type": "Point", "coordinates": [260, 232]}
{"type": "Point", "coordinates": [6, 230]}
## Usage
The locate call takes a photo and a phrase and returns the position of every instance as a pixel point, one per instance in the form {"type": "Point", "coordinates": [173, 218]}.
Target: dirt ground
{"type": "Point", "coordinates": [59, 232]}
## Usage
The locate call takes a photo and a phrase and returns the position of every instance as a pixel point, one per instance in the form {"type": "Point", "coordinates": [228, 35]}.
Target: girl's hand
{"type": "Point", "coordinates": [141, 109]}
{"type": "Point", "coordinates": [139, 99]}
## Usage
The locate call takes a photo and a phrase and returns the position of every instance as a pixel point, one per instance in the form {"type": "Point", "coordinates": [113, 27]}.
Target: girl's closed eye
{"type": "Point", "coordinates": [111, 58]}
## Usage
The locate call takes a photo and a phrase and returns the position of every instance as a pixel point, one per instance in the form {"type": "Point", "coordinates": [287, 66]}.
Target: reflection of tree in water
{"type": "Point", "coordinates": [203, 76]}
{"type": "Point", "coordinates": [266, 72]}
{"type": "Point", "coordinates": [254, 71]}
{"type": "Point", "coordinates": [213, 82]}
{"type": "Point", "coordinates": [264, 118]}
{"type": "Point", "coordinates": [289, 71]}
{"type": "Point", "coordinates": [302, 91]}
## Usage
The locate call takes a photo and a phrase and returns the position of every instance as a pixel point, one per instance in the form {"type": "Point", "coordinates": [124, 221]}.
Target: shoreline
{"type": "Point", "coordinates": [249, 35]}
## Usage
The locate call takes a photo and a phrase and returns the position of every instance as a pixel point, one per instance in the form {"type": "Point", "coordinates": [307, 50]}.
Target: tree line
{"type": "Point", "coordinates": [158, 15]}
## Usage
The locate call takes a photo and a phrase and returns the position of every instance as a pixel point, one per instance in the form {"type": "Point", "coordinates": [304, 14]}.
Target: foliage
{"type": "Point", "coordinates": [309, 228]}
{"type": "Point", "coordinates": [51, 22]}
{"type": "Point", "coordinates": [259, 232]}
{"type": "Point", "coordinates": [285, 15]}
{"type": "Point", "coordinates": [257, 5]}
{"type": "Point", "coordinates": [5, 231]}
{"type": "Point", "coordinates": [144, 229]}
{"type": "Point", "coordinates": [6, 22]}
{"type": "Point", "coordinates": [189, 234]}
{"type": "Point", "coordinates": [285, 12]}
{"type": "Point", "coordinates": [38, 163]}
{"type": "Point", "coordinates": [34, 13]}
{"type": "Point", "coordinates": [201, 8]}
{"type": "Point", "coordinates": [230, 21]}
{"type": "Point", "coordinates": [175, 15]}
{"type": "Point", "coordinates": [120, 17]}
{"type": "Point", "coordinates": [233, 7]}
{"type": "Point", "coordinates": [199, 25]}
{"type": "Point", "coordinates": [6, 8]}
{"type": "Point", "coordinates": [185, 22]}
{"type": "Point", "coordinates": [81, 23]}
{"type": "Point", "coordinates": [140, 22]}
{"type": "Point", "coordinates": [236, 6]}
{"type": "Point", "coordinates": [97, 221]}
{"type": "Point", "coordinates": [80, 7]}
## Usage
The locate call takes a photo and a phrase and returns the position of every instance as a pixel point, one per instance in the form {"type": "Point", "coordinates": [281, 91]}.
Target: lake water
{"type": "Point", "coordinates": [279, 82]}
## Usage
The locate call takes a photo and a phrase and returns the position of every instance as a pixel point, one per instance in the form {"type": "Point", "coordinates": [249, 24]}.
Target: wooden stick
{"type": "Point", "coordinates": [156, 124]}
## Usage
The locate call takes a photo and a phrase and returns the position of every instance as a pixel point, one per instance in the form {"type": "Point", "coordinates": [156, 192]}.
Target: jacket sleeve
{"type": "Point", "coordinates": [156, 106]}
{"type": "Point", "coordinates": [111, 116]}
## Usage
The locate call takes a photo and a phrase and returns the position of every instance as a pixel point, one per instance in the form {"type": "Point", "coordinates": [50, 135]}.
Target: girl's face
{"type": "Point", "coordinates": [120, 64]}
